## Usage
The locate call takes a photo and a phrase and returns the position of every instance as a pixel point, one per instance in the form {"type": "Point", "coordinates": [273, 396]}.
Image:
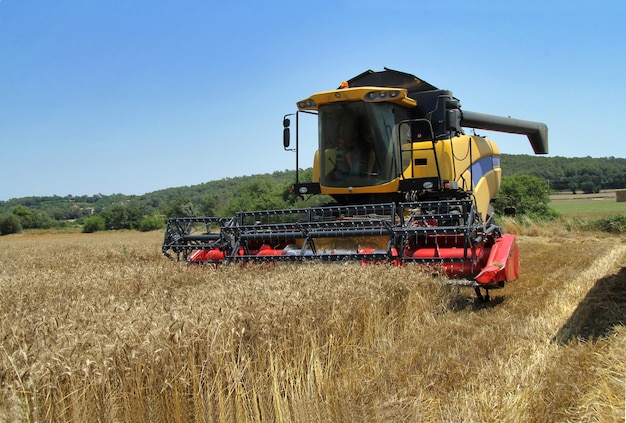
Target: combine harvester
{"type": "Point", "coordinates": [408, 187]}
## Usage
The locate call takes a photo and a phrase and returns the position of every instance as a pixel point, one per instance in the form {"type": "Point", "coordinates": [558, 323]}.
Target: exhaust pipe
{"type": "Point", "coordinates": [536, 132]}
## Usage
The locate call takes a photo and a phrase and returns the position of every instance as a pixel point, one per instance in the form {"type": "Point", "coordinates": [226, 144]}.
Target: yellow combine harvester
{"type": "Point", "coordinates": [408, 186]}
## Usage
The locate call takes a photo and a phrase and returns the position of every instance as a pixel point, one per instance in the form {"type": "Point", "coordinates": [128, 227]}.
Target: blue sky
{"type": "Point", "coordinates": [131, 97]}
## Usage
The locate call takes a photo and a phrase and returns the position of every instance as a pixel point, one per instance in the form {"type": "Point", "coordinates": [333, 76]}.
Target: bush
{"type": "Point", "coordinates": [93, 224]}
{"type": "Point", "coordinates": [588, 187]}
{"type": "Point", "coordinates": [32, 219]}
{"type": "Point", "coordinates": [151, 223]}
{"type": "Point", "coordinates": [122, 217]}
{"type": "Point", "coordinates": [612, 224]}
{"type": "Point", "coordinates": [529, 195]}
{"type": "Point", "coordinates": [10, 224]}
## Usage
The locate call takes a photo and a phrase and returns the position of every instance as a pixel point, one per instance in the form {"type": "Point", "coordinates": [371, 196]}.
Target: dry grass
{"type": "Point", "coordinates": [101, 327]}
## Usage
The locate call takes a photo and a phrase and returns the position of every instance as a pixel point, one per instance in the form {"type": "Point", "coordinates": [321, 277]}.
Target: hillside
{"type": "Point", "coordinates": [207, 198]}
{"type": "Point", "coordinates": [569, 173]}
{"type": "Point", "coordinates": [224, 196]}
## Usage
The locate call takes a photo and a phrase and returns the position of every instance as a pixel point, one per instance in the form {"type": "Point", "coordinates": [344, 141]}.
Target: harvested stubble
{"type": "Point", "coordinates": [102, 328]}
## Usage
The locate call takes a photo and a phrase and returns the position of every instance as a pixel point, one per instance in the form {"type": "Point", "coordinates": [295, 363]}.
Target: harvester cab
{"type": "Point", "coordinates": [390, 137]}
{"type": "Point", "coordinates": [408, 186]}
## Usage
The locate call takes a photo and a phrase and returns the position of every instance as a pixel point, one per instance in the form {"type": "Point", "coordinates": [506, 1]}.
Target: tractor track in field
{"type": "Point", "coordinates": [581, 280]}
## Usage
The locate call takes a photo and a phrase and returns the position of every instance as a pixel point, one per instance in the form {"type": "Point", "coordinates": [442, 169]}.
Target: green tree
{"type": "Point", "coordinates": [10, 224]}
{"type": "Point", "coordinates": [257, 194]}
{"type": "Point", "coordinates": [530, 195]}
{"type": "Point", "coordinates": [32, 219]}
{"type": "Point", "coordinates": [122, 217]}
{"type": "Point", "coordinates": [181, 207]}
{"type": "Point", "coordinates": [589, 187]}
{"type": "Point", "coordinates": [94, 224]}
{"type": "Point", "coordinates": [209, 205]}
{"type": "Point", "coordinates": [151, 223]}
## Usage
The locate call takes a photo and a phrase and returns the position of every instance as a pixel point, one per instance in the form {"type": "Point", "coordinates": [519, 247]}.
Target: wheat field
{"type": "Point", "coordinates": [102, 328]}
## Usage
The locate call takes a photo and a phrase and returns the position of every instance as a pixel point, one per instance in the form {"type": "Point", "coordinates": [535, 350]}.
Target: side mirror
{"type": "Point", "coordinates": [286, 133]}
{"type": "Point", "coordinates": [286, 137]}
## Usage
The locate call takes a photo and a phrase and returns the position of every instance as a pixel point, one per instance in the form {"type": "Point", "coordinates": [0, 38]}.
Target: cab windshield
{"type": "Point", "coordinates": [359, 143]}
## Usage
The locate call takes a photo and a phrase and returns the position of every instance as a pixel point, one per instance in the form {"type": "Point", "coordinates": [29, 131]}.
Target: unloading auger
{"type": "Point", "coordinates": [409, 186]}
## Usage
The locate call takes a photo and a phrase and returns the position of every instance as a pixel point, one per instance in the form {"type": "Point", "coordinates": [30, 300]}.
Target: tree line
{"type": "Point", "coordinates": [577, 174]}
{"type": "Point", "coordinates": [147, 212]}
{"type": "Point", "coordinates": [226, 196]}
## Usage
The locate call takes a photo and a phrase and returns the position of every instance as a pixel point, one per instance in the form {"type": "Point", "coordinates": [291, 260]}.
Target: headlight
{"type": "Point", "coordinates": [381, 95]}
{"type": "Point", "coordinates": [306, 104]}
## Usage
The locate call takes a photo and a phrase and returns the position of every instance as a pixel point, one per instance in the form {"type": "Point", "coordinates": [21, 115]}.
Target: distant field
{"type": "Point", "coordinates": [587, 205]}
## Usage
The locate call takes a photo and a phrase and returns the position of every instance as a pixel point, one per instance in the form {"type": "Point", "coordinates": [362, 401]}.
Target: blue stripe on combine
{"type": "Point", "coordinates": [484, 165]}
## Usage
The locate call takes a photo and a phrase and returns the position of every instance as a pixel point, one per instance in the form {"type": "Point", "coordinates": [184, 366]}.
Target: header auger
{"type": "Point", "coordinates": [408, 186]}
